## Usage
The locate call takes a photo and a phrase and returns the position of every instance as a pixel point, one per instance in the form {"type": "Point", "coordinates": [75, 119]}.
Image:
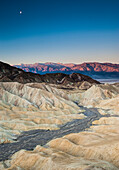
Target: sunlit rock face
{"type": "Point", "coordinates": [25, 96]}
{"type": "Point", "coordinates": [43, 158]}
{"type": "Point", "coordinates": [111, 105]}
{"type": "Point", "coordinates": [34, 106]}
{"type": "Point", "coordinates": [101, 96]}
{"type": "Point", "coordinates": [42, 106]}
{"type": "Point", "coordinates": [97, 148]}
{"type": "Point", "coordinates": [91, 67]}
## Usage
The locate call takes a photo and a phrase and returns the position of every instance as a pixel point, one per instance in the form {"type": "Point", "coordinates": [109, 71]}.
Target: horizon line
{"type": "Point", "coordinates": [66, 63]}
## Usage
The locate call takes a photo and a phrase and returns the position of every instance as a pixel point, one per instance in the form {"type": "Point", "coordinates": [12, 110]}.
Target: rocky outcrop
{"type": "Point", "coordinates": [13, 74]}
{"type": "Point", "coordinates": [99, 94]}
{"type": "Point", "coordinates": [97, 148]}
{"type": "Point", "coordinates": [42, 106]}
{"type": "Point", "coordinates": [33, 106]}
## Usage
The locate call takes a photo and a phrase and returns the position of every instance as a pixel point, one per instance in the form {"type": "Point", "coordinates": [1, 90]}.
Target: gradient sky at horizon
{"type": "Point", "coordinates": [69, 31]}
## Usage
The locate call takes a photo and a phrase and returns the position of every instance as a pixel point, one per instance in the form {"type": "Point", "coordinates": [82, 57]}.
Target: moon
{"type": "Point", "coordinates": [20, 12]}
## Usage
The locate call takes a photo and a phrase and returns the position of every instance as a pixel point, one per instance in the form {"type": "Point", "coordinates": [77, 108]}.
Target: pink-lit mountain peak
{"type": "Point", "coordinates": [55, 67]}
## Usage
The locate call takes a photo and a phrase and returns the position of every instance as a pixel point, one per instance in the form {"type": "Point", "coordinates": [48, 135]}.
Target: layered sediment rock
{"type": "Point", "coordinates": [54, 104]}
{"type": "Point", "coordinates": [33, 106]}
{"type": "Point", "coordinates": [97, 148]}
{"type": "Point", "coordinates": [98, 94]}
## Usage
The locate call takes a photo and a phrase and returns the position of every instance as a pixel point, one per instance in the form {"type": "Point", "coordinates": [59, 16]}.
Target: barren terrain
{"type": "Point", "coordinates": [59, 125]}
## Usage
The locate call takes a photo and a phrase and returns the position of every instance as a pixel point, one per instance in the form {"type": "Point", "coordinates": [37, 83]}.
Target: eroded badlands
{"type": "Point", "coordinates": [34, 106]}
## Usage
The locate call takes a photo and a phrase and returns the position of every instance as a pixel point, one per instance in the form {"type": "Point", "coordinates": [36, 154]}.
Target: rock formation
{"type": "Point", "coordinates": [57, 121]}
{"type": "Point", "coordinates": [97, 148]}
{"type": "Point", "coordinates": [55, 67]}
{"type": "Point", "coordinates": [13, 74]}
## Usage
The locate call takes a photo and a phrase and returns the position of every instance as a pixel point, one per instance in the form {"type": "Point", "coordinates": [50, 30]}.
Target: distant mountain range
{"type": "Point", "coordinates": [12, 74]}
{"type": "Point", "coordinates": [93, 69]}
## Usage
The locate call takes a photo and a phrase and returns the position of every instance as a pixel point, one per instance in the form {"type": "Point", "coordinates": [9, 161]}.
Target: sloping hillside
{"type": "Point", "coordinates": [9, 73]}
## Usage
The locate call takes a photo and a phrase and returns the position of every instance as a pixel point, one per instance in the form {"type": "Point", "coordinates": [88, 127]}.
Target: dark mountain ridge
{"type": "Point", "coordinates": [10, 73]}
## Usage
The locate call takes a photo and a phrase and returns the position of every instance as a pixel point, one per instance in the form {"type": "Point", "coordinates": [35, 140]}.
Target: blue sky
{"type": "Point", "coordinates": [59, 31]}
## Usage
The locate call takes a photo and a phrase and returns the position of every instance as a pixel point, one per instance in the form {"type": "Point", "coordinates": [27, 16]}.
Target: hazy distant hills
{"type": "Point", "coordinates": [93, 69]}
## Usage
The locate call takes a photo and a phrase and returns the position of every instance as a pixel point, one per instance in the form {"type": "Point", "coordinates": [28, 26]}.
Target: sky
{"type": "Point", "coordinates": [67, 31]}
